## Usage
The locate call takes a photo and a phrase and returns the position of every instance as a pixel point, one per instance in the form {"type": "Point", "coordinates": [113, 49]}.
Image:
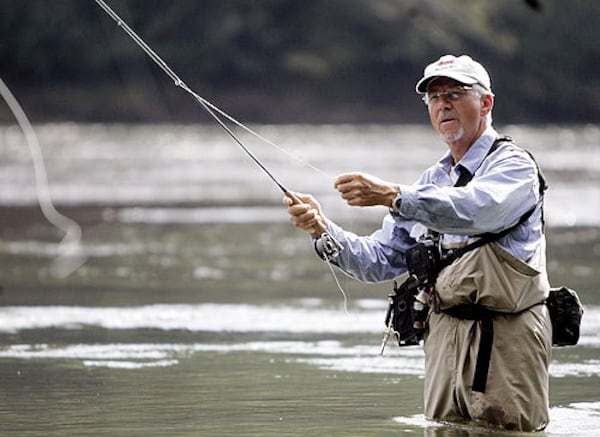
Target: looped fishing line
{"type": "Point", "coordinates": [69, 250]}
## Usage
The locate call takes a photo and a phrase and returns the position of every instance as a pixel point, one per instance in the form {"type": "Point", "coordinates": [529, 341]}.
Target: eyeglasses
{"type": "Point", "coordinates": [452, 95]}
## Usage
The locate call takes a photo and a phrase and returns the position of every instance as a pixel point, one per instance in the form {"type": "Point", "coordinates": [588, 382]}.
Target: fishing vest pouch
{"type": "Point", "coordinates": [408, 306]}
{"type": "Point", "coordinates": [402, 314]}
{"type": "Point", "coordinates": [566, 312]}
{"type": "Point", "coordinates": [493, 278]}
{"type": "Point", "coordinates": [423, 261]}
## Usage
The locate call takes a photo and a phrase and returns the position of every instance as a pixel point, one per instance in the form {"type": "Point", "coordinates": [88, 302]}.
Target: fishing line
{"type": "Point", "coordinates": [213, 111]}
{"type": "Point", "coordinates": [339, 286]}
{"type": "Point", "coordinates": [206, 105]}
{"type": "Point", "coordinates": [69, 250]}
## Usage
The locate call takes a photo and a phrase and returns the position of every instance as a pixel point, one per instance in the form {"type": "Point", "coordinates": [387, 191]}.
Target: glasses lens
{"type": "Point", "coordinates": [451, 94]}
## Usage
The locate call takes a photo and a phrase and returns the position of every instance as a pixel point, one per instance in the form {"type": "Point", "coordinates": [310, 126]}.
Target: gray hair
{"type": "Point", "coordinates": [481, 91]}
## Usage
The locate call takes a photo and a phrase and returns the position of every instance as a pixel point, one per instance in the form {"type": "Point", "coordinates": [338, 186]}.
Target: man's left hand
{"type": "Point", "coordinates": [361, 189]}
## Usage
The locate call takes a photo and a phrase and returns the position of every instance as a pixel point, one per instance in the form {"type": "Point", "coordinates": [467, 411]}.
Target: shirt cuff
{"type": "Point", "coordinates": [408, 196]}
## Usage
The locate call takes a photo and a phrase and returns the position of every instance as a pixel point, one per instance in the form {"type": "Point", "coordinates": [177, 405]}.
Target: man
{"type": "Point", "coordinates": [502, 284]}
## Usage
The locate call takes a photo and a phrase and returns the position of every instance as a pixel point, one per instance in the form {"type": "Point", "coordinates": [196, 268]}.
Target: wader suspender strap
{"type": "Point", "coordinates": [484, 354]}
{"type": "Point", "coordinates": [485, 317]}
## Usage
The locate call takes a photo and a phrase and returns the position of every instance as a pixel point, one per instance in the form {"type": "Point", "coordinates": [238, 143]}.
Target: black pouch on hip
{"type": "Point", "coordinates": [566, 312]}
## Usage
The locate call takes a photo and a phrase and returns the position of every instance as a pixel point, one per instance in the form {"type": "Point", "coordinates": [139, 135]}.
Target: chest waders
{"type": "Point", "coordinates": [409, 303]}
{"type": "Point", "coordinates": [475, 311]}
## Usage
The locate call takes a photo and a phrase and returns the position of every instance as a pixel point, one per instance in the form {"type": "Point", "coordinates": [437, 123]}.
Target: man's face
{"type": "Point", "coordinates": [455, 111]}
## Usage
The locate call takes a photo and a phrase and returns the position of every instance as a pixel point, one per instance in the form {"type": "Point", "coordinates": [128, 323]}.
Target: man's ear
{"type": "Point", "coordinates": [487, 103]}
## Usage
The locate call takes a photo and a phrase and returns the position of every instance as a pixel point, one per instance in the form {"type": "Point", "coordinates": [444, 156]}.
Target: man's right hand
{"type": "Point", "coordinates": [305, 213]}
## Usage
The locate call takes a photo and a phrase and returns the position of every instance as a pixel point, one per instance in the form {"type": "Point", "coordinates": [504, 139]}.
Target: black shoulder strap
{"type": "Point", "coordinates": [466, 176]}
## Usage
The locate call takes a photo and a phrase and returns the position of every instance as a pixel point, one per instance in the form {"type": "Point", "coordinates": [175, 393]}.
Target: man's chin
{"type": "Point", "coordinates": [452, 137]}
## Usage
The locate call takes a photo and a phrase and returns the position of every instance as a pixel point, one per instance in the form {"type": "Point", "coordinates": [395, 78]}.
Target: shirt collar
{"type": "Point", "coordinates": [474, 156]}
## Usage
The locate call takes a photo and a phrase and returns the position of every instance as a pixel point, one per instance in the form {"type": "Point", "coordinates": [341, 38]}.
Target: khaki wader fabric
{"type": "Point", "coordinates": [516, 395]}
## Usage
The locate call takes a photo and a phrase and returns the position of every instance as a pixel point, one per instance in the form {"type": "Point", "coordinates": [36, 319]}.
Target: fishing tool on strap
{"type": "Point", "coordinates": [334, 246]}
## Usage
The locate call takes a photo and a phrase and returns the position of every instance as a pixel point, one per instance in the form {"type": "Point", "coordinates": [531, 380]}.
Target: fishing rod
{"type": "Point", "coordinates": [206, 105]}
{"type": "Point", "coordinates": [326, 243]}
{"type": "Point", "coordinates": [212, 110]}
{"type": "Point", "coordinates": [178, 82]}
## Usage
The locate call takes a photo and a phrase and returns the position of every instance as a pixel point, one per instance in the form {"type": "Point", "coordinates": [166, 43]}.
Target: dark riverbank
{"type": "Point", "coordinates": [333, 61]}
{"type": "Point", "coordinates": [116, 103]}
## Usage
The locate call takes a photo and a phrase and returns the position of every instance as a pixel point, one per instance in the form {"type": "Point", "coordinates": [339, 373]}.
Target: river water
{"type": "Point", "coordinates": [199, 310]}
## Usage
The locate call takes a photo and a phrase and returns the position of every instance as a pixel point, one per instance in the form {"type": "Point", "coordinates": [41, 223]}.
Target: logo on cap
{"type": "Point", "coordinates": [442, 63]}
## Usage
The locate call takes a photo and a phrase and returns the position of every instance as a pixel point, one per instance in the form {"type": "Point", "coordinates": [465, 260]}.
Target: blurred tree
{"type": "Point", "coordinates": [291, 60]}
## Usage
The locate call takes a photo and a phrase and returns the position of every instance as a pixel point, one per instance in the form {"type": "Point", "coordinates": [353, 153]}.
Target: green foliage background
{"type": "Point", "coordinates": [296, 60]}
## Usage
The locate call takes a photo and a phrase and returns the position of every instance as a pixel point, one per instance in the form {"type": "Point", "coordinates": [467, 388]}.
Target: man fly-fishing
{"type": "Point", "coordinates": [487, 335]}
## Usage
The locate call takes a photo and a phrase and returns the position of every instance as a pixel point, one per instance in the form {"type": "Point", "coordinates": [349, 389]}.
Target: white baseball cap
{"type": "Point", "coordinates": [462, 68]}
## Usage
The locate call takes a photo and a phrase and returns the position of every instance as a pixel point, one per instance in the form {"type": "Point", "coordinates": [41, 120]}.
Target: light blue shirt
{"type": "Point", "coordinates": [504, 187]}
